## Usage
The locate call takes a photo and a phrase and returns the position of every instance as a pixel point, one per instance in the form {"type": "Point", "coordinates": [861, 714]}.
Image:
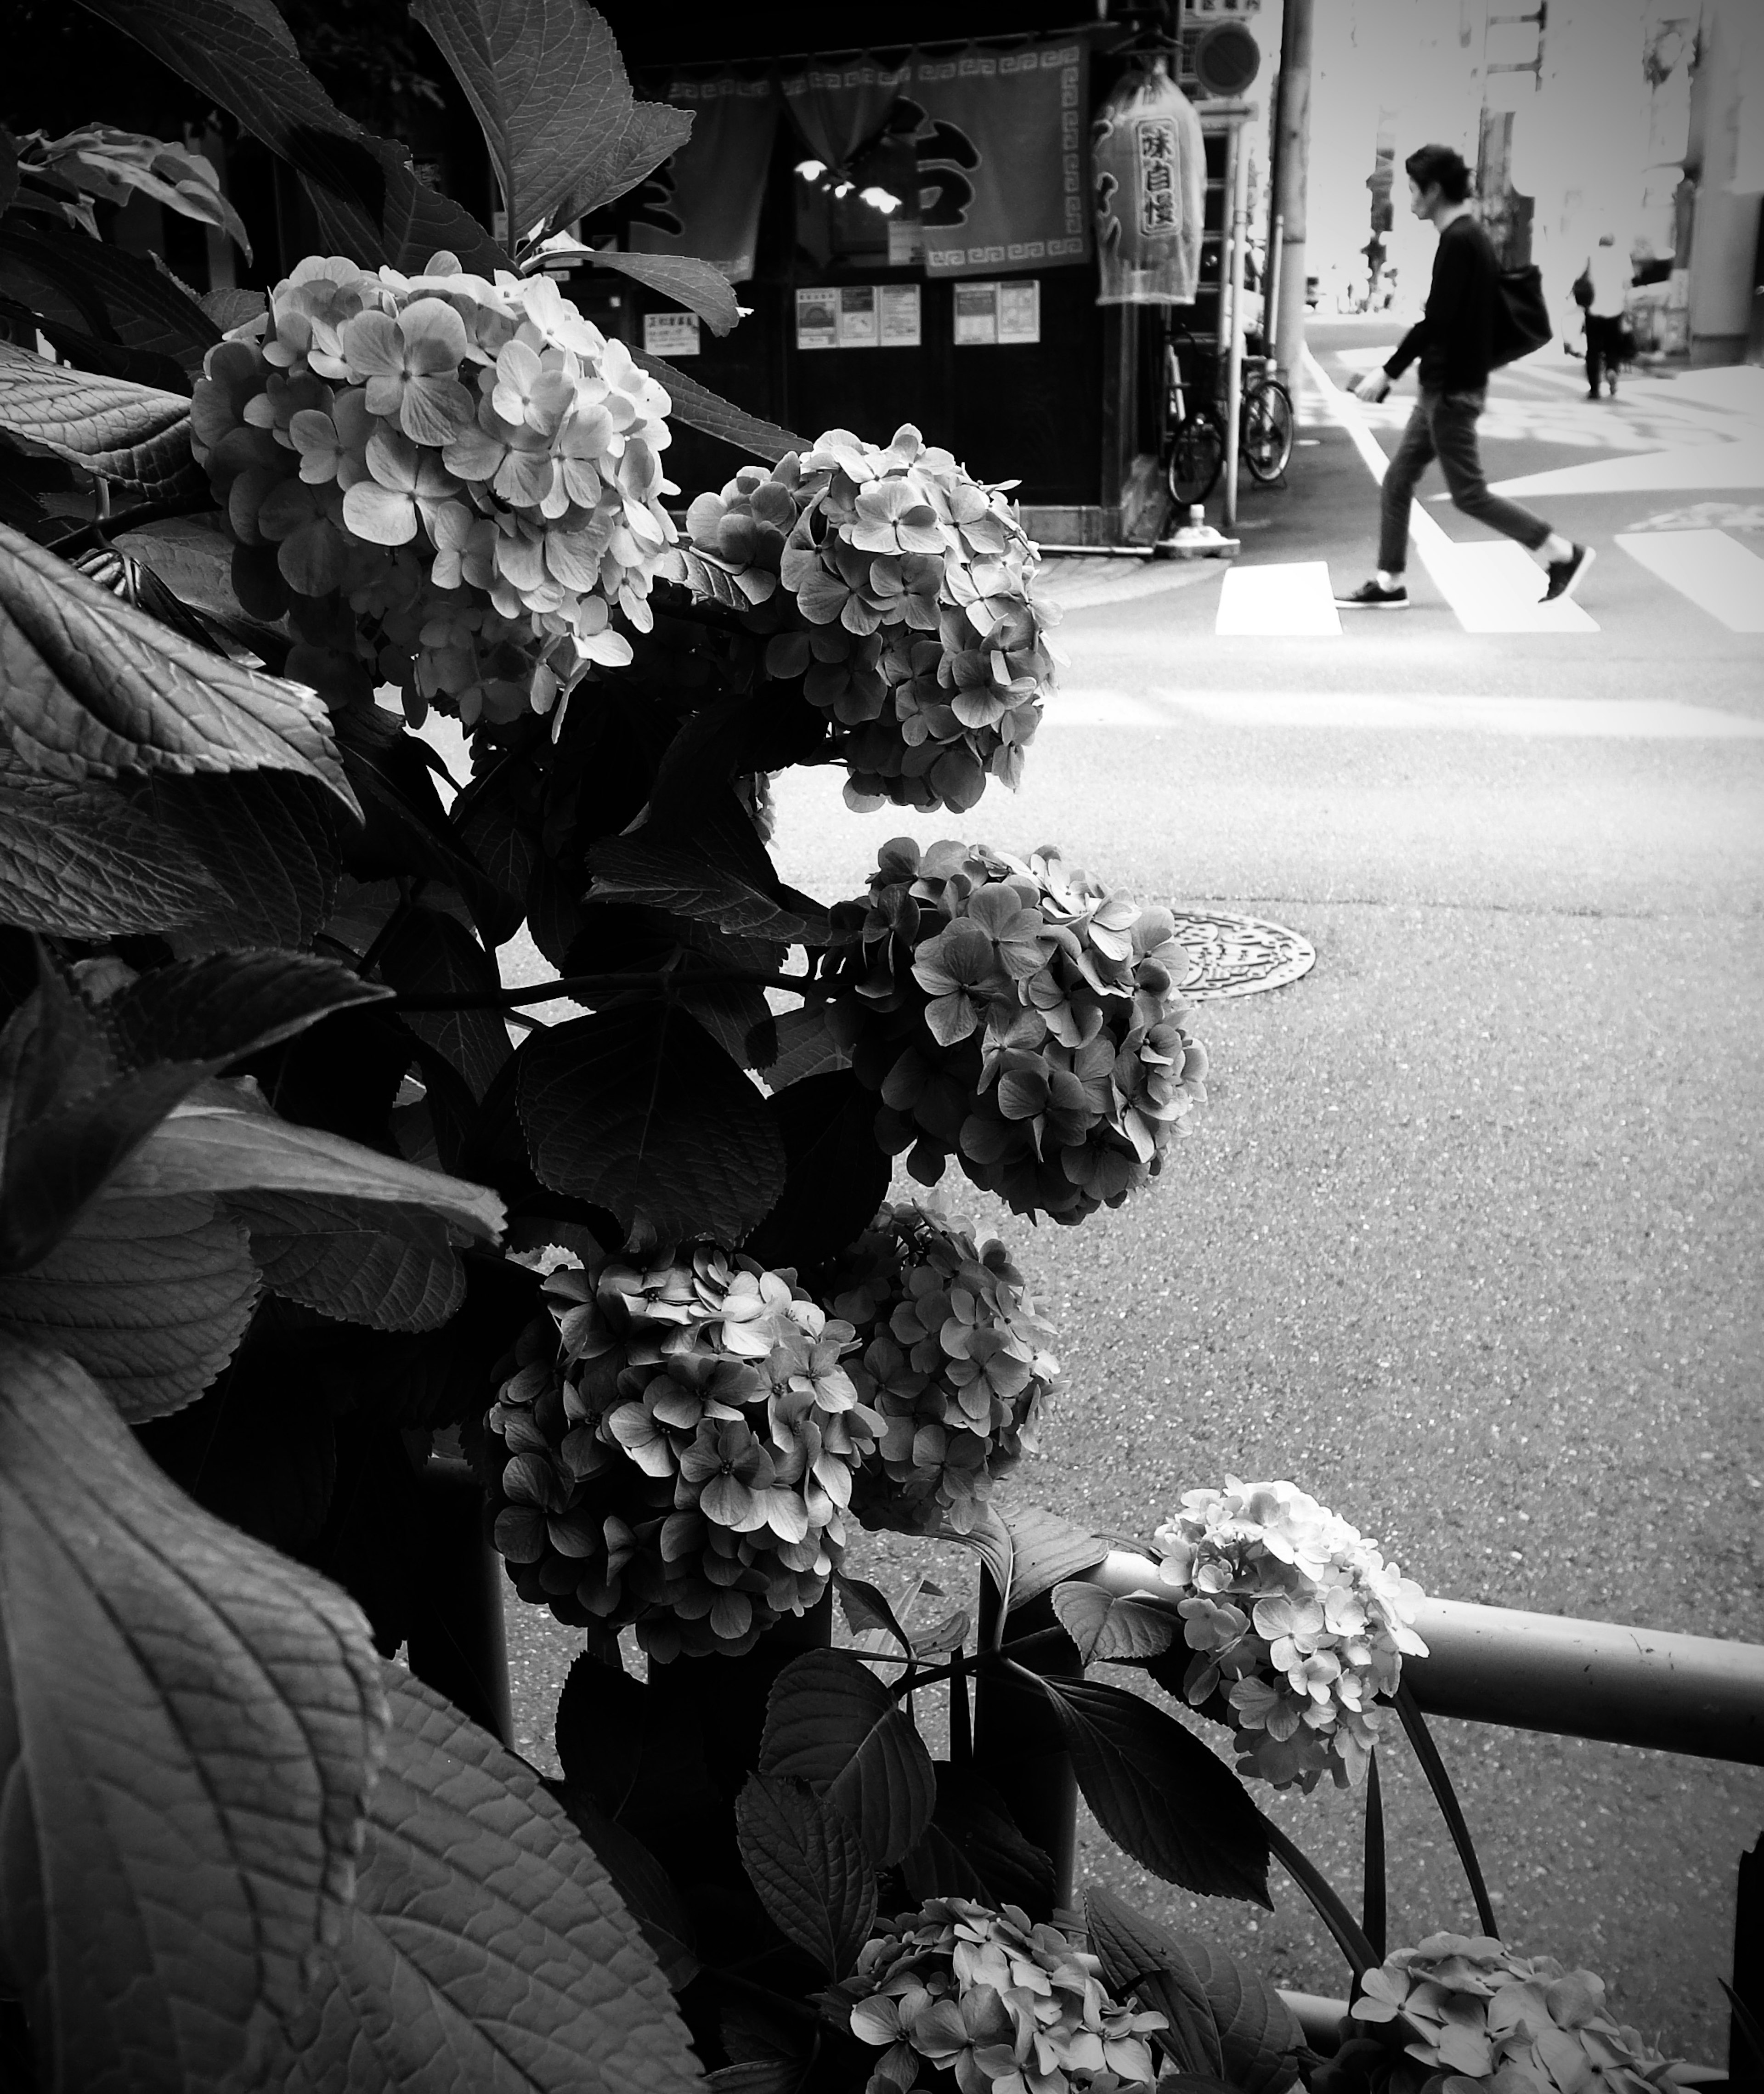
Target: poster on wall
{"type": "Point", "coordinates": [705, 199]}
{"type": "Point", "coordinates": [856, 316]}
{"type": "Point", "coordinates": [976, 315]}
{"type": "Point", "coordinates": [897, 315]}
{"type": "Point", "coordinates": [1019, 311]}
{"type": "Point", "coordinates": [997, 315]}
{"type": "Point", "coordinates": [818, 318]}
{"type": "Point", "coordinates": [981, 122]}
{"type": "Point", "coordinates": [670, 334]}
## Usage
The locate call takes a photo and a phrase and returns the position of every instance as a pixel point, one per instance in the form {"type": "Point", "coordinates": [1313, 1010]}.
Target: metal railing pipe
{"type": "Point", "coordinates": [1697, 1695]}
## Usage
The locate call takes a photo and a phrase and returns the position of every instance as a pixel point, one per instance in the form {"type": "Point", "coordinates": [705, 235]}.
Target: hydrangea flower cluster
{"type": "Point", "coordinates": [1476, 2015]}
{"type": "Point", "coordinates": [1001, 2006]}
{"type": "Point", "coordinates": [1021, 1020]}
{"type": "Point", "coordinates": [953, 1362]}
{"type": "Point", "coordinates": [1297, 1623]}
{"type": "Point", "coordinates": [917, 625]}
{"type": "Point", "coordinates": [680, 1445]}
{"type": "Point", "coordinates": [449, 483]}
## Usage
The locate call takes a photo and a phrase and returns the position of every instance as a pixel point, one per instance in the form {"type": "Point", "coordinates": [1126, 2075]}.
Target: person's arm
{"type": "Point", "coordinates": [1411, 345]}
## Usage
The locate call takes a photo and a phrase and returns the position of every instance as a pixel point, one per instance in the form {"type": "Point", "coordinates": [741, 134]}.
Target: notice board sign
{"type": "Point", "coordinates": [990, 315]}
{"type": "Point", "coordinates": [858, 316]}
{"type": "Point", "coordinates": [670, 334]}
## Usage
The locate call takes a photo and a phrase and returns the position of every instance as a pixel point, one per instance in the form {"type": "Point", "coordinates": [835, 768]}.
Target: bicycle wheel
{"type": "Point", "coordinates": [1267, 428]}
{"type": "Point", "coordinates": [1197, 452]}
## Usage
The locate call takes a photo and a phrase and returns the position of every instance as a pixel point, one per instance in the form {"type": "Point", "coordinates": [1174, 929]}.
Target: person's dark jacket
{"type": "Point", "coordinates": [1454, 336]}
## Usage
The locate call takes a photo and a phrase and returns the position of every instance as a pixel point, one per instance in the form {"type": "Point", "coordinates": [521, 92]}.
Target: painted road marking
{"type": "Point", "coordinates": [1499, 587]}
{"type": "Point", "coordinates": [1484, 584]}
{"type": "Point", "coordinates": [1626, 720]}
{"type": "Point", "coordinates": [1718, 574]}
{"type": "Point", "coordinates": [1715, 465]}
{"type": "Point", "coordinates": [1283, 599]}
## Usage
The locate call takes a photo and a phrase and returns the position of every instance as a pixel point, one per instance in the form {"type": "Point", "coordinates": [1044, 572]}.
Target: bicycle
{"type": "Point", "coordinates": [1193, 437]}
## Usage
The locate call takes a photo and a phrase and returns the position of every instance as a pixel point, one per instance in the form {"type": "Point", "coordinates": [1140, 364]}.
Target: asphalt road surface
{"type": "Point", "coordinates": [1467, 1242]}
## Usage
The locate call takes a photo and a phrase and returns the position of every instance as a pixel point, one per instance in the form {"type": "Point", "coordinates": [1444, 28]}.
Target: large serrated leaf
{"type": "Point", "coordinates": [1232, 2023]}
{"type": "Point", "coordinates": [77, 861]}
{"type": "Point", "coordinates": [809, 1866]}
{"type": "Point", "coordinates": [637, 1110]}
{"type": "Point", "coordinates": [486, 1947]}
{"type": "Point", "coordinates": [1107, 1630]}
{"type": "Point", "coordinates": [218, 1010]}
{"type": "Point", "coordinates": [269, 840]}
{"type": "Point", "coordinates": [209, 1145]}
{"type": "Point", "coordinates": [736, 588]}
{"type": "Point", "coordinates": [95, 687]}
{"type": "Point", "coordinates": [133, 436]}
{"type": "Point", "coordinates": [1159, 1794]}
{"type": "Point", "coordinates": [549, 89]}
{"type": "Point", "coordinates": [151, 1297]}
{"type": "Point", "coordinates": [805, 1048]}
{"type": "Point", "coordinates": [669, 876]}
{"type": "Point", "coordinates": [701, 409]}
{"type": "Point", "coordinates": [836, 1173]}
{"type": "Point", "coordinates": [434, 954]}
{"type": "Point", "coordinates": [977, 1821]}
{"type": "Point", "coordinates": [118, 296]}
{"type": "Point", "coordinates": [370, 205]}
{"type": "Point", "coordinates": [363, 1261]}
{"type": "Point", "coordinates": [699, 286]}
{"type": "Point", "coordinates": [1045, 1550]}
{"type": "Point", "coordinates": [830, 1721]}
{"type": "Point", "coordinates": [188, 1725]}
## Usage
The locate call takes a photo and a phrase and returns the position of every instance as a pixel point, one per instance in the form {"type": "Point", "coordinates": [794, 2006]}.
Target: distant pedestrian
{"type": "Point", "coordinates": [1608, 275]}
{"type": "Point", "coordinates": [1454, 339]}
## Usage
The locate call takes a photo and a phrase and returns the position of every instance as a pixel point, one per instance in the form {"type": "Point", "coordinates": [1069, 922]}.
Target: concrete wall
{"type": "Point", "coordinates": [1727, 122]}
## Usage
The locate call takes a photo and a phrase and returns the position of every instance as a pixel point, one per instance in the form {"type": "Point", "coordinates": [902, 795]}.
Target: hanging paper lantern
{"type": "Point", "coordinates": [1150, 162]}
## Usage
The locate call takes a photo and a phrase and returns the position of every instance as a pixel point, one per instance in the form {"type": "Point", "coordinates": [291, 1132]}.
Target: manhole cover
{"type": "Point", "coordinates": [1238, 955]}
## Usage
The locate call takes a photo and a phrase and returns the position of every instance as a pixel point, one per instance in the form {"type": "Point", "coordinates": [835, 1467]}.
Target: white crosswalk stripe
{"type": "Point", "coordinates": [1283, 600]}
{"type": "Point", "coordinates": [1621, 720]}
{"type": "Point", "coordinates": [1718, 574]}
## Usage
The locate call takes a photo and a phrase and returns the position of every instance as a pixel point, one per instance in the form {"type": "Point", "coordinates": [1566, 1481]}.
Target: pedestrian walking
{"type": "Point", "coordinates": [1607, 274]}
{"type": "Point", "coordinates": [1454, 341]}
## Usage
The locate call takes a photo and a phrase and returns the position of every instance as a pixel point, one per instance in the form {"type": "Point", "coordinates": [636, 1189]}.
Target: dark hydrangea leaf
{"type": "Point", "coordinates": [809, 1867]}
{"type": "Point", "coordinates": [805, 1048]}
{"type": "Point", "coordinates": [640, 1879]}
{"type": "Point", "coordinates": [390, 1267]}
{"type": "Point", "coordinates": [975, 1819]}
{"type": "Point", "coordinates": [432, 953]}
{"type": "Point", "coordinates": [486, 1946]}
{"type": "Point", "coordinates": [1160, 1795]}
{"type": "Point", "coordinates": [638, 1111]}
{"type": "Point", "coordinates": [830, 1721]}
{"type": "Point", "coordinates": [117, 297]}
{"type": "Point", "coordinates": [1234, 2022]}
{"type": "Point", "coordinates": [699, 286]}
{"type": "Point", "coordinates": [217, 1010]}
{"type": "Point", "coordinates": [603, 1715]}
{"type": "Point", "coordinates": [77, 861]}
{"type": "Point", "coordinates": [836, 1177]}
{"type": "Point", "coordinates": [700, 408]}
{"type": "Point", "coordinates": [183, 1711]}
{"type": "Point", "coordinates": [1046, 1548]}
{"type": "Point", "coordinates": [95, 687]}
{"type": "Point", "coordinates": [370, 205]}
{"type": "Point", "coordinates": [270, 841]}
{"type": "Point", "coordinates": [545, 80]}
{"type": "Point", "coordinates": [674, 877]}
{"type": "Point", "coordinates": [1110, 1631]}
{"type": "Point", "coordinates": [151, 1297]}
{"type": "Point", "coordinates": [135, 436]}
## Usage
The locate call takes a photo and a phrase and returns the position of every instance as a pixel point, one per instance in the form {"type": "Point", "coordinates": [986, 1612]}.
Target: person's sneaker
{"type": "Point", "coordinates": [1567, 576]}
{"type": "Point", "coordinates": [1370, 596]}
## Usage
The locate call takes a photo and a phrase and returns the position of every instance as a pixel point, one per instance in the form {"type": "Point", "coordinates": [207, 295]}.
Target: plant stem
{"type": "Point", "coordinates": [569, 985]}
{"type": "Point", "coordinates": [1350, 1937]}
{"type": "Point", "coordinates": [84, 535]}
{"type": "Point", "coordinates": [961, 1717]}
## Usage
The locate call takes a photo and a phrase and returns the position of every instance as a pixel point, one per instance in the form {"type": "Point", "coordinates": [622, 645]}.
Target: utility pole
{"type": "Point", "coordinates": [1291, 177]}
